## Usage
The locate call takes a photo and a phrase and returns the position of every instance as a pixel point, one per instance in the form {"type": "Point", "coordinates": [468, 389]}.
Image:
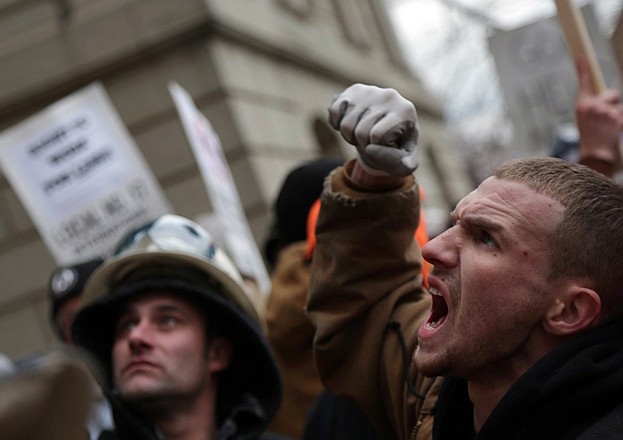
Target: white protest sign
{"type": "Point", "coordinates": [232, 222]}
{"type": "Point", "coordinates": [80, 175]}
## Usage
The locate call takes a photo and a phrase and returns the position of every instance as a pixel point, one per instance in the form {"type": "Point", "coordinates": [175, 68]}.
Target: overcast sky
{"type": "Point", "coordinates": [445, 42]}
{"type": "Point", "coordinates": [446, 38]}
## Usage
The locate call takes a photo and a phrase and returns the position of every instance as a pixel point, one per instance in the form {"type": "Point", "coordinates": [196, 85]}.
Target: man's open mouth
{"type": "Point", "coordinates": [439, 310]}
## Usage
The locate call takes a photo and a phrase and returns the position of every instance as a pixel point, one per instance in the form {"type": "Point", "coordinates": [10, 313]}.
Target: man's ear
{"type": "Point", "coordinates": [576, 309]}
{"type": "Point", "coordinates": [219, 354]}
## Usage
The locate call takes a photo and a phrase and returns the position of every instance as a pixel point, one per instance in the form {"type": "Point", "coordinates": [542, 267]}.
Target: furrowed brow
{"type": "Point", "coordinates": [480, 222]}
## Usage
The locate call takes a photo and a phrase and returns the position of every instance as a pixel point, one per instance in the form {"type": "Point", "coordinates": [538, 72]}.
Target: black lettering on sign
{"type": "Point", "coordinates": [47, 140]}
{"type": "Point", "coordinates": [79, 225]}
{"type": "Point", "coordinates": [93, 163]}
{"type": "Point", "coordinates": [69, 151]}
{"type": "Point", "coordinates": [56, 182]}
{"type": "Point", "coordinates": [80, 122]}
{"type": "Point", "coordinates": [113, 205]}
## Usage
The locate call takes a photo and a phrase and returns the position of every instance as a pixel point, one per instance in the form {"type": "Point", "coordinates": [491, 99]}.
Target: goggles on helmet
{"type": "Point", "coordinates": [171, 241]}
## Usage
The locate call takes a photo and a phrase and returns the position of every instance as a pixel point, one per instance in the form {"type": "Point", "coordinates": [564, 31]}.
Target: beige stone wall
{"type": "Point", "coordinates": [261, 71]}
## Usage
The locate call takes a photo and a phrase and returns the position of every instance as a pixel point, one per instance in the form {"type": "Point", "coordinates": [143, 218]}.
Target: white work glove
{"type": "Point", "coordinates": [381, 124]}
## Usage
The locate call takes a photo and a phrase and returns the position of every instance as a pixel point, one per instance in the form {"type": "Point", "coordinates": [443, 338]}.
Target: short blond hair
{"type": "Point", "coordinates": [588, 241]}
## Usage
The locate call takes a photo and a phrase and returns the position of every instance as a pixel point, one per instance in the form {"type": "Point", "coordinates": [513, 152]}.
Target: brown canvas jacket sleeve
{"type": "Point", "coordinates": [366, 273]}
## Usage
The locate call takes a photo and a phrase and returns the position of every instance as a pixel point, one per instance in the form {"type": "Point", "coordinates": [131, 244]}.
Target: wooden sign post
{"type": "Point", "coordinates": [578, 40]}
{"type": "Point", "coordinates": [580, 45]}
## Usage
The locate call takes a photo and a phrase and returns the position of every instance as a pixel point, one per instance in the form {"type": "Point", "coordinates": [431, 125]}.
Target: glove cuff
{"type": "Point", "coordinates": [368, 169]}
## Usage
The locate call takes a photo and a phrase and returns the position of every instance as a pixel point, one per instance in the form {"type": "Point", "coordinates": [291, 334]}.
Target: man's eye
{"type": "Point", "coordinates": [124, 326]}
{"type": "Point", "coordinates": [169, 321]}
{"type": "Point", "coordinates": [487, 239]}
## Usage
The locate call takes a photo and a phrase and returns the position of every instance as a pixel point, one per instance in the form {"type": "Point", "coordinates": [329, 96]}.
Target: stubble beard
{"type": "Point", "coordinates": [437, 365]}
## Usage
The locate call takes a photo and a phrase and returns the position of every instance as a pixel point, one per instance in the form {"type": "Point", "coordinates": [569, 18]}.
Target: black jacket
{"type": "Point", "coordinates": [574, 392]}
{"type": "Point", "coordinates": [337, 418]}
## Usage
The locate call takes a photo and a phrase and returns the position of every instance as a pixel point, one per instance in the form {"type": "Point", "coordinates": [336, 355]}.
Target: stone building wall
{"type": "Point", "coordinates": [262, 71]}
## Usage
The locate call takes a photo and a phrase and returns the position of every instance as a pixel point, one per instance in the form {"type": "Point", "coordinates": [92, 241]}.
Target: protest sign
{"type": "Point", "coordinates": [228, 217]}
{"type": "Point", "coordinates": [80, 175]}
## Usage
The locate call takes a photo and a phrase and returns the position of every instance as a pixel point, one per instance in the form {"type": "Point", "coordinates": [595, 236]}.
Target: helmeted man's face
{"type": "Point", "coordinates": [161, 350]}
{"type": "Point", "coordinates": [490, 283]}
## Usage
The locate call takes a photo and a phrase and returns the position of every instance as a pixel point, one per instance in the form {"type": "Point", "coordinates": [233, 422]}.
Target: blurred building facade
{"type": "Point", "coordinates": [262, 71]}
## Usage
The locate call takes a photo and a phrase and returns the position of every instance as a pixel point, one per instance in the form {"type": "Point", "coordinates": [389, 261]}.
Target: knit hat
{"type": "Point", "coordinates": [299, 191]}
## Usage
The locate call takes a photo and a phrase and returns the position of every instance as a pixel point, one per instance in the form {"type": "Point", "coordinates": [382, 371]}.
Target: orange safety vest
{"type": "Point", "coordinates": [421, 235]}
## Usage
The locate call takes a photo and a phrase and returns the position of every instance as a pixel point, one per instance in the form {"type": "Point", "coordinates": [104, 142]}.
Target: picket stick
{"type": "Point", "coordinates": [578, 40]}
{"type": "Point", "coordinates": [580, 45]}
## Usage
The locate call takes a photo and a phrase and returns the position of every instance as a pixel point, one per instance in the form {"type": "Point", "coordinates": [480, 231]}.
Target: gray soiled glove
{"type": "Point", "coordinates": [381, 124]}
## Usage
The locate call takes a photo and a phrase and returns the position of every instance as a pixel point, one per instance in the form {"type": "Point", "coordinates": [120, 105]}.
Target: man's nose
{"type": "Point", "coordinates": [442, 251]}
{"type": "Point", "coordinates": [140, 336]}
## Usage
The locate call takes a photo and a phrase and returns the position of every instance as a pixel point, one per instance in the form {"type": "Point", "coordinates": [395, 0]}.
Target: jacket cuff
{"type": "Point", "coordinates": [342, 182]}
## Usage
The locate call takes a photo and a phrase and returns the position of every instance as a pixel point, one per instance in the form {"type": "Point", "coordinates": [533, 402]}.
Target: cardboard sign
{"type": "Point", "coordinates": [80, 175]}
{"type": "Point", "coordinates": [228, 220]}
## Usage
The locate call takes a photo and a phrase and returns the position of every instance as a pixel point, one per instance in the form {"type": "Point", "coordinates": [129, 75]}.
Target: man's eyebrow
{"type": "Point", "coordinates": [481, 222]}
{"type": "Point", "coordinates": [470, 220]}
{"type": "Point", "coordinates": [169, 308]}
{"type": "Point", "coordinates": [130, 309]}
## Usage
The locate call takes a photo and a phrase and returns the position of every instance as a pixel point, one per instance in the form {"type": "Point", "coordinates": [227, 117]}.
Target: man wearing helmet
{"type": "Point", "coordinates": [179, 339]}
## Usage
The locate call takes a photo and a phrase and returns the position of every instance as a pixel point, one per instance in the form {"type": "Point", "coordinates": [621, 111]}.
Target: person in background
{"type": "Point", "coordinates": [289, 331]}
{"type": "Point", "coordinates": [520, 335]}
{"type": "Point", "coordinates": [65, 288]}
{"type": "Point", "coordinates": [599, 117]}
{"type": "Point", "coordinates": [45, 397]}
{"type": "Point", "coordinates": [65, 292]}
{"type": "Point", "coordinates": [179, 338]}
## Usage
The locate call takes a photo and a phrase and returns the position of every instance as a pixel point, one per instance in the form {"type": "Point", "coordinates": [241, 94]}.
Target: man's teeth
{"type": "Point", "coordinates": [434, 291]}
